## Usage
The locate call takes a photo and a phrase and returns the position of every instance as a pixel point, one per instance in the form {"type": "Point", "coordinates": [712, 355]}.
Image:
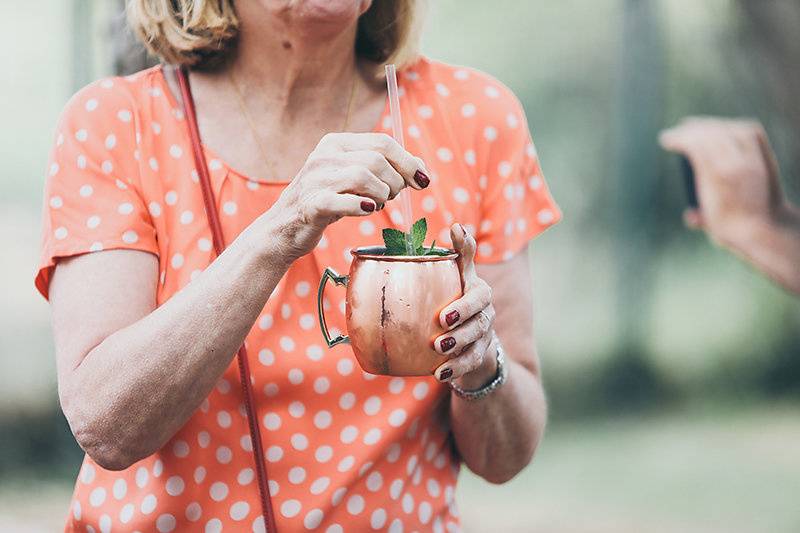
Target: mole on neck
{"type": "Point", "coordinates": [286, 45]}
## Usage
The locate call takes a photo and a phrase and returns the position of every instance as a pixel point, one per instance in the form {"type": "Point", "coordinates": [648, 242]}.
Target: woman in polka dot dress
{"type": "Point", "coordinates": [147, 318]}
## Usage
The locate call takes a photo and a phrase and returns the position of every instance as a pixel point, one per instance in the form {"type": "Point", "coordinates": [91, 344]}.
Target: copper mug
{"type": "Point", "coordinates": [392, 309]}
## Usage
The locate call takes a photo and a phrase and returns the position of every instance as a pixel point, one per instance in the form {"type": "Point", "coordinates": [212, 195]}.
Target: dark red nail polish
{"type": "Point", "coordinates": [448, 343]}
{"type": "Point", "coordinates": [452, 317]}
{"type": "Point", "coordinates": [445, 374]}
{"type": "Point", "coordinates": [422, 179]}
{"type": "Point", "coordinates": [369, 207]}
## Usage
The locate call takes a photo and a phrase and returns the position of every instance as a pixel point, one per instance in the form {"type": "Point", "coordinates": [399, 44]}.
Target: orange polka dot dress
{"type": "Point", "coordinates": [345, 450]}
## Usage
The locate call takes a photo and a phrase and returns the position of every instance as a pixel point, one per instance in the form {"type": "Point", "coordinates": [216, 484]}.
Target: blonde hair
{"type": "Point", "coordinates": [203, 33]}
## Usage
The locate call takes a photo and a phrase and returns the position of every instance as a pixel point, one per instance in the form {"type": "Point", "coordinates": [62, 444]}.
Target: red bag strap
{"type": "Point", "coordinates": [219, 245]}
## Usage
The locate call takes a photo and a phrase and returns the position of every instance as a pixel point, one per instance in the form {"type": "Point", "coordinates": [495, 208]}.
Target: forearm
{"type": "Point", "coordinates": [774, 248]}
{"type": "Point", "coordinates": [135, 389]}
{"type": "Point", "coordinates": [498, 435]}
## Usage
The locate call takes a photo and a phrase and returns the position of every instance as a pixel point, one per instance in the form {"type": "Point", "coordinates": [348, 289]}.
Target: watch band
{"type": "Point", "coordinates": [493, 385]}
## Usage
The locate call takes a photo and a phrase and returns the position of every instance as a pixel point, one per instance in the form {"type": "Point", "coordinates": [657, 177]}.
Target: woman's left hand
{"type": "Point", "coordinates": [469, 320]}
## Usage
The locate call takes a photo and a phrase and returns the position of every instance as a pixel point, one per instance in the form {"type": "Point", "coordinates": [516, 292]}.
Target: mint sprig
{"type": "Point", "coordinates": [401, 243]}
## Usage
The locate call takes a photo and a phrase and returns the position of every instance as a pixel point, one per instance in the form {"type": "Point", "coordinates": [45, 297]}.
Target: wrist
{"type": "Point", "coordinates": [270, 236]}
{"type": "Point", "coordinates": [482, 375]}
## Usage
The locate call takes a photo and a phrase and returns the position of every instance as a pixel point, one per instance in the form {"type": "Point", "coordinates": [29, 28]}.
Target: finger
{"type": "Point", "coordinates": [471, 359]}
{"type": "Point", "coordinates": [770, 158]}
{"type": "Point", "coordinates": [359, 180]}
{"type": "Point", "coordinates": [380, 167]}
{"type": "Point", "coordinates": [475, 299]}
{"type": "Point", "coordinates": [693, 218]}
{"type": "Point", "coordinates": [411, 168]}
{"type": "Point", "coordinates": [456, 340]}
{"type": "Point", "coordinates": [339, 205]}
{"type": "Point", "coordinates": [465, 245]}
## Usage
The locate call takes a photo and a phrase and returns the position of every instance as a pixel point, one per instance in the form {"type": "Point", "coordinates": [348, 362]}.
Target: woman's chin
{"type": "Point", "coordinates": [321, 12]}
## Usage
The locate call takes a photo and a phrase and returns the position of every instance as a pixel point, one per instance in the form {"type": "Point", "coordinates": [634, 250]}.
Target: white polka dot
{"type": "Point", "coordinates": [199, 474]}
{"type": "Point", "coordinates": [346, 463]}
{"type": "Point", "coordinates": [295, 376]}
{"type": "Point", "coordinates": [297, 409]}
{"type": "Point", "coordinates": [314, 351]}
{"type": "Point", "coordinates": [372, 436]}
{"type": "Point", "coordinates": [348, 434]}
{"type": "Point", "coordinates": [91, 104]}
{"type": "Point", "coordinates": [81, 161]}
{"type": "Point", "coordinates": [512, 120]}
{"type": "Point", "coordinates": [420, 390]}
{"type": "Point", "coordinates": [166, 523]}
{"type": "Point", "coordinates": [177, 261]}
{"type": "Point", "coordinates": [148, 504]}
{"type": "Point", "coordinates": [323, 454]}
{"type": "Point", "coordinates": [424, 512]}
{"type": "Point", "coordinates": [347, 400]}
{"type": "Point", "coordinates": [105, 524]}
{"type": "Point", "coordinates": [203, 244]}
{"type": "Point", "coordinates": [96, 246]}
{"type": "Point", "coordinates": [224, 455]}
{"type": "Point", "coordinates": [180, 448]}
{"type": "Point", "coordinates": [218, 491]}
{"type": "Point", "coordinates": [272, 421]}
{"type": "Point", "coordinates": [124, 115]}
{"type": "Point", "coordinates": [442, 89]}
{"type": "Point", "coordinates": [396, 385]}
{"type": "Point", "coordinates": [274, 453]}
{"type": "Point", "coordinates": [154, 208]}
{"type": "Point", "coordinates": [408, 503]}
{"type": "Point", "coordinates": [469, 158]}
{"type": "Point", "coordinates": [504, 169]}
{"type": "Point", "coordinates": [107, 167]}
{"type": "Point", "coordinates": [491, 91]}
{"type": "Point", "coordinates": [461, 195]}
{"type": "Point", "coordinates": [397, 417]}
{"type": "Point", "coordinates": [468, 110]}
{"type": "Point", "coordinates": [86, 191]}
{"type": "Point", "coordinates": [213, 526]}
{"type": "Point", "coordinates": [97, 497]}
{"type": "Point", "coordinates": [323, 419]}
{"type": "Point", "coordinates": [230, 208]}
{"type": "Point", "coordinates": [394, 453]}
{"type": "Point", "coordinates": [345, 366]}
{"type": "Point", "coordinates": [321, 385]}
{"type": "Point", "coordinates": [111, 141]}
{"type": "Point", "coordinates": [54, 169]}
{"type": "Point", "coordinates": [535, 183]}
{"type": "Point", "coordinates": [545, 216]}
{"type": "Point", "coordinates": [355, 504]}
{"type": "Point", "coordinates": [246, 443]}
{"type": "Point", "coordinates": [171, 198]}
{"type": "Point", "coordinates": [297, 475]}
{"type": "Point", "coordinates": [215, 164]}
{"type": "Point", "coordinates": [126, 513]}
{"type": "Point", "coordinates": [158, 467]}
{"type": "Point", "coordinates": [483, 182]}
{"type": "Point", "coordinates": [378, 518]}
{"type": "Point", "coordinates": [193, 512]}
{"type": "Point", "coordinates": [425, 111]}
{"type": "Point", "coordinates": [153, 162]}
{"type": "Point", "coordinates": [320, 485]}
{"type": "Point", "coordinates": [372, 405]}
{"type": "Point", "coordinates": [239, 510]}
{"type": "Point", "coordinates": [396, 488]}
{"type": "Point", "coordinates": [125, 208]}
{"type": "Point", "coordinates": [265, 322]}
{"type": "Point", "coordinates": [141, 477]}
{"type": "Point", "coordinates": [119, 489]}
{"type": "Point", "coordinates": [338, 495]}
{"type": "Point", "coordinates": [175, 486]}
{"type": "Point", "coordinates": [490, 133]}
{"type": "Point", "coordinates": [302, 289]}
{"type": "Point", "coordinates": [461, 74]}
{"type": "Point", "coordinates": [187, 217]}
{"type": "Point", "coordinates": [252, 185]}
{"type": "Point", "coordinates": [81, 135]}
{"type": "Point", "coordinates": [271, 389]}
{"type": "Point", "coordinates": [175, 151]}
{"type": "Point", "coordinates": [444, 154]}
{"type": "Point", "coordinates": [313, 519]}
{"type": "Point", "coordinates": [245, 476]}
{"type": "Point", "coordinates": [290, 508]}
{"type": "Point", "coordinates": [286, 311]}
{"type": "Point", "coordinates": [224, 419]}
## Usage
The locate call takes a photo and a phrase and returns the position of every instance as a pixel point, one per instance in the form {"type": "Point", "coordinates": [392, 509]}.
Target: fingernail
{"type": "Point", "coordinates": [452, 317]}
{"type": "Point", "coordinates": [445, 374]}
{"type": "Point", "coordinates": [463, 230]}
{"type": "Point", "coordinates": [369, 207]}
{"type": "Point", "coordinates": [381, 206]}
{"type": "Point", "coordinates": [422, 179]}
{"type": "Point", "coordinates": [448, 343]}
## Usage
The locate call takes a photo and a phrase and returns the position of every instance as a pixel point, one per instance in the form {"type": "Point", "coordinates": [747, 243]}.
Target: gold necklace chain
{"type": "Point", "coordinates": [254, 130]}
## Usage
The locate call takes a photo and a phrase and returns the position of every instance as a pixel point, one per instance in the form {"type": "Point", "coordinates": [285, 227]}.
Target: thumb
{"type": "Point", "coordinates": [465, 245]}
{"type": "Point", "coordinates": [693, 218]}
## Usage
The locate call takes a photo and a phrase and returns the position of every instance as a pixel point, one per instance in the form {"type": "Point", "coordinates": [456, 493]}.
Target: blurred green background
{"type": "Point", "coordinates": [673, 370]}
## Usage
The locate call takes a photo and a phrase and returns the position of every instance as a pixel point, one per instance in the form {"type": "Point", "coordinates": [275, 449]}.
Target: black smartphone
{"type": "Point", "coordinates": [688, 179]}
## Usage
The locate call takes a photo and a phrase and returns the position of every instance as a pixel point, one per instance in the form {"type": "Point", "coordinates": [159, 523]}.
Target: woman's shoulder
{"type": "Point", "coordinates": [118, 99]}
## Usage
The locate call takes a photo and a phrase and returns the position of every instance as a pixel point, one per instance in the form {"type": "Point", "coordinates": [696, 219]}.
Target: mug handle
{"type": "Point", "coordinates": [338, 280]}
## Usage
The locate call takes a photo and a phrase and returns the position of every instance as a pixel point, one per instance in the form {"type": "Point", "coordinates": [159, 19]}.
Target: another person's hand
{"type": "Point", "coordinates": [736, 175]}
{"type": "Point", "coordinates": [469, 320]}
{"type": "Point", "coordinates": [347, 174]}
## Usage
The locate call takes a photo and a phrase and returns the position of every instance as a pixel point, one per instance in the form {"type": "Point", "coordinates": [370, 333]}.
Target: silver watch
{"type": "Point", "coordinates": [494, 384]}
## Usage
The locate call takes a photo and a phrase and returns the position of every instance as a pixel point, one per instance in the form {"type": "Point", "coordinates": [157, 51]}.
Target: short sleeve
{"type": "Point", "coordinates": [515, 204]}
{"type": "Point", "coordinates": [92, 199]}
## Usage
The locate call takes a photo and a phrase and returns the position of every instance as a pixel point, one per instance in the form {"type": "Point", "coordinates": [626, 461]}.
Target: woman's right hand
{"type": "Point", "coordinates": [347, 174]}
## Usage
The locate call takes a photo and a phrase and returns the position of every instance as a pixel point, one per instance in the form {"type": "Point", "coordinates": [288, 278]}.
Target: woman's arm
{"type": "Point", "coordinates": [742, 205]}
{"type": "Point", "coordinates": [497, 435]}
{"type": "Point", "coordinates": [131, 374]}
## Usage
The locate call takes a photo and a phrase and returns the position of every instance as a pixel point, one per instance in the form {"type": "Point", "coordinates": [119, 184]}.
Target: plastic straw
{"type": "Point", "coordinates": [397, 133]}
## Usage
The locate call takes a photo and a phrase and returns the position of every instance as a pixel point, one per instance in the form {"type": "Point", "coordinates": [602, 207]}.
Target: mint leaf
{"type": "Point", "coordinates": [430, 250]}
{"type": "Point", "coordinates": [395, 241]}
{"type": "Point", "coordinates": [418, 232]}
